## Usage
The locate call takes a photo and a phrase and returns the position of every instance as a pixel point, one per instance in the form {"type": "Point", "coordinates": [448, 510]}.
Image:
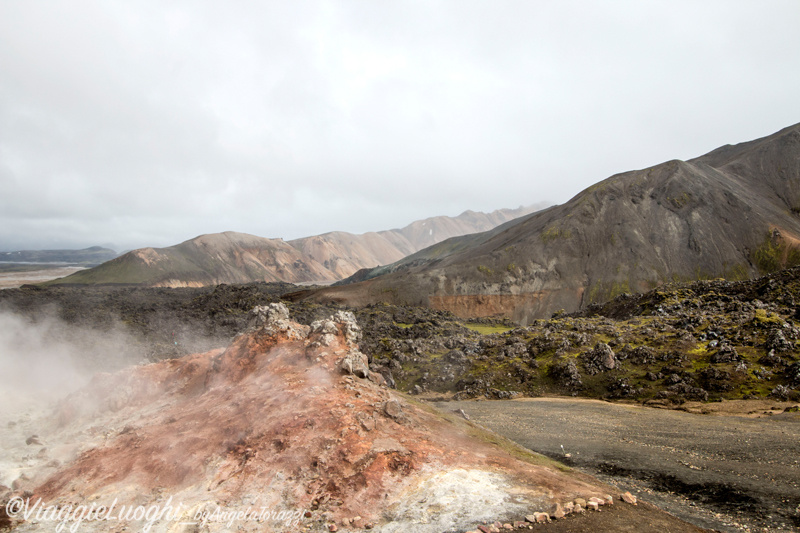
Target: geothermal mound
{"type": "Point", "coordinates": [286, 429]}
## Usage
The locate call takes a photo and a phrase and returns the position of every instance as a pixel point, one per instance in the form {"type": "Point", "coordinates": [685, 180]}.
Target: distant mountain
{"type": "Point", "coordinates": [345, 253]}
{"type": "Point", "coordinates": [241, 258]}
{"type": "Point", "coordinates": [734, 213]}
{"type": "Point", "coordinates": [88, 256]}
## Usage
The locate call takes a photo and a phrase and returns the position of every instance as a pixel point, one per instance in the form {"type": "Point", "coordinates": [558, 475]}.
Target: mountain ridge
{"type": "Point", "coordinates": [232, 257]}
{"type": "Point", "coordinates": [732, 213]}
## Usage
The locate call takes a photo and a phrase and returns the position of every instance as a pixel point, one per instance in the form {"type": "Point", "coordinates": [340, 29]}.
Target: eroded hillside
{"type": "Point", "coordinates": [732, 213]}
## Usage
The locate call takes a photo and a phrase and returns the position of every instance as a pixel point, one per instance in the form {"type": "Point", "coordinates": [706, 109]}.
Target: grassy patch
{"type": "Point", "coordinates": [553, 233]}
{"type": "Point", "coordinates": [775, 254]}
{"type": "Point", "coordinates": [488, 329]}
{"type": "Point", "coordinates": [485, 270]}
{"type": "Point", "coordinates": [604, 291]}
{"type": "Point", "coordinates": [763, 318]}
{"type": "Point", "coordinates": [700, 350]}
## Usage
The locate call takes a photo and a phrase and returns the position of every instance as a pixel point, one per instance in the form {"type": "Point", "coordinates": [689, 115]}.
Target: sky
{"type": "Point", "coordinates": [149, 122]}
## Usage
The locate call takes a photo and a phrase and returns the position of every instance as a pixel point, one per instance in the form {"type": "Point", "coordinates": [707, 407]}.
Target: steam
{"type": "Point", "coordinates": [45, 359]}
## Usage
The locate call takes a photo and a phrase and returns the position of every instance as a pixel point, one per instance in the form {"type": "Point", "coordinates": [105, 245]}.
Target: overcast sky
{"type": "Point", "coordinates": [146, 123]}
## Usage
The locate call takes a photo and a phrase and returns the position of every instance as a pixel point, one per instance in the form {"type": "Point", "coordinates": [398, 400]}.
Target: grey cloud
{"type": "Point", "coordinates": [149, 123]}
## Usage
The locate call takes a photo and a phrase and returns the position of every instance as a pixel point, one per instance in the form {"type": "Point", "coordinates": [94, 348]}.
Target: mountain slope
{"type": "Point", "coordinates": [227, 257]}
{"type": "Point", "coordinates": [345, 253]}
{"type": "Point", "coordinates": [232, 257]}
{"type": "Point", "coordinates": [732, 213]}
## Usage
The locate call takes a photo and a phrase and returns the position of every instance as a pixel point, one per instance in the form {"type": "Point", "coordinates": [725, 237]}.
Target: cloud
{"type": "Point", "coordinates": [150, 123]}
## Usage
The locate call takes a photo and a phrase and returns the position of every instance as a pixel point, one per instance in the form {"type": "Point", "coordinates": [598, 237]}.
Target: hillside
{"type": "Point", "coordinates": [731, 213]}
{"type": "Point", "coordinates": [345, 253]}
{"type": "Point", "coordinates": [232, 257]}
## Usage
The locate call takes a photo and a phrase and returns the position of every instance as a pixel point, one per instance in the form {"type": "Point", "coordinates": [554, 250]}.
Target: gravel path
{"type": "Point", "coordinates": [730, 473]}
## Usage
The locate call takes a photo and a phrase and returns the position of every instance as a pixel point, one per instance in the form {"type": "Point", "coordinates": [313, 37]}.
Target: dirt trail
{"type": "Point", "coordinates": [730, 473]}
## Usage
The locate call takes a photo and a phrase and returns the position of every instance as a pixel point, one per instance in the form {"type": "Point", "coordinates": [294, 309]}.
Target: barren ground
{"type": "Point", "coordinates": [737, 471]}
{"type": "Point", "coordinates": [10, 279]}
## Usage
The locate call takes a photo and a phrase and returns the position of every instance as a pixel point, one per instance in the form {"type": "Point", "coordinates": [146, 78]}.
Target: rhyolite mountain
{"type": "Point", "coordinates": [734, 213]}
{"type": "Point", "coordinates": [232, 257]}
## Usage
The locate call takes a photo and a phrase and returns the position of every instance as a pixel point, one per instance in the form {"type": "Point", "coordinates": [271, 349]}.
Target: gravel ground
{"type": "Point", "coordinates": [723, 472]}
{"type": "Point", "coordinates": [12, 279]}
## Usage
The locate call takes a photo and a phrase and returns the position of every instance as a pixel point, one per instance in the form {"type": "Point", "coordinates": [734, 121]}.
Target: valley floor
{"type": "Point", "coordinates": [16, 277]}
{"type": "Point", "coordinates": [729, 472]}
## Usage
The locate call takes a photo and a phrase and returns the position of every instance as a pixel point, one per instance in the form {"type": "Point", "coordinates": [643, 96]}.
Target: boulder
{"type": "Point", "coordinates": [567, 375]}
{"type": "Point", "coordinates": [355, 363]}
{"type": "Point", "coordinates": [777, 341]}
{"type": "Point", "coordinates": [556, 511]}
{"type": "Point", "coordinates": [725, 354]}
{"type": "Point", "coordinates": [599, 359]}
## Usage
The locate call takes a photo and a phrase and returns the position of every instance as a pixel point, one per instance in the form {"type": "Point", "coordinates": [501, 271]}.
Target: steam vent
{"type": "Point", "coordinates": [287, 421]}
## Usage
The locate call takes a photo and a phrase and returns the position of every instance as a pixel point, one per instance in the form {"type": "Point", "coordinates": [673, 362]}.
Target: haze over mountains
{"type": "Point", "coordinates": [733, 212]}
{"type": "Point", "coordinates": [232, 257]}
{"type": "Point", "coordinates": [88, 256]}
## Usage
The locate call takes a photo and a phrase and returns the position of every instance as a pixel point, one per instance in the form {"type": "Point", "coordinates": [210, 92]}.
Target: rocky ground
{"type": "Point", "coordinates": [729, 472]}
{"type": "Point", "coordinates": [703, 341]}
{"type": "Point", "coordinates": [681, 346]}
{"type": "Point", "coordinates": [289, 419]}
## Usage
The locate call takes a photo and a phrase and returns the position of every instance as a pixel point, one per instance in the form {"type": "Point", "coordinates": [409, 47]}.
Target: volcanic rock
{"type": "Point", "coordinates": [556, 511]}
{"type": "Point", "coordinates": [627, 497]}
{"type": "Point", "coordinates": [567, 374]}
{"type": "Point", "coordinates": [777, 341]}
{"type": "Point", "coordinates": [270, 422]}
{"type": "Point", "coordinates": [599, 359]}
{"type": "Point", "coordinates": [725, 354]}
{"type": "Point", "coordinates": [356, 363]}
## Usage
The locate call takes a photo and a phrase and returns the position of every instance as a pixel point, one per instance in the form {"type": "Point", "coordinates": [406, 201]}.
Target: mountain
{"type": "Point", "coordinates": [734, 213]}
{"type": "Point", "coordinates": [232, 257]}
{"type": "Point", "coordinates": [287, 430]}
{"type": "Point", "coordinates": [344, 253]}
{"type": "Point", "coordinates": [205, 260]}
{"type": "Point", "coordinates": [88, 256]}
